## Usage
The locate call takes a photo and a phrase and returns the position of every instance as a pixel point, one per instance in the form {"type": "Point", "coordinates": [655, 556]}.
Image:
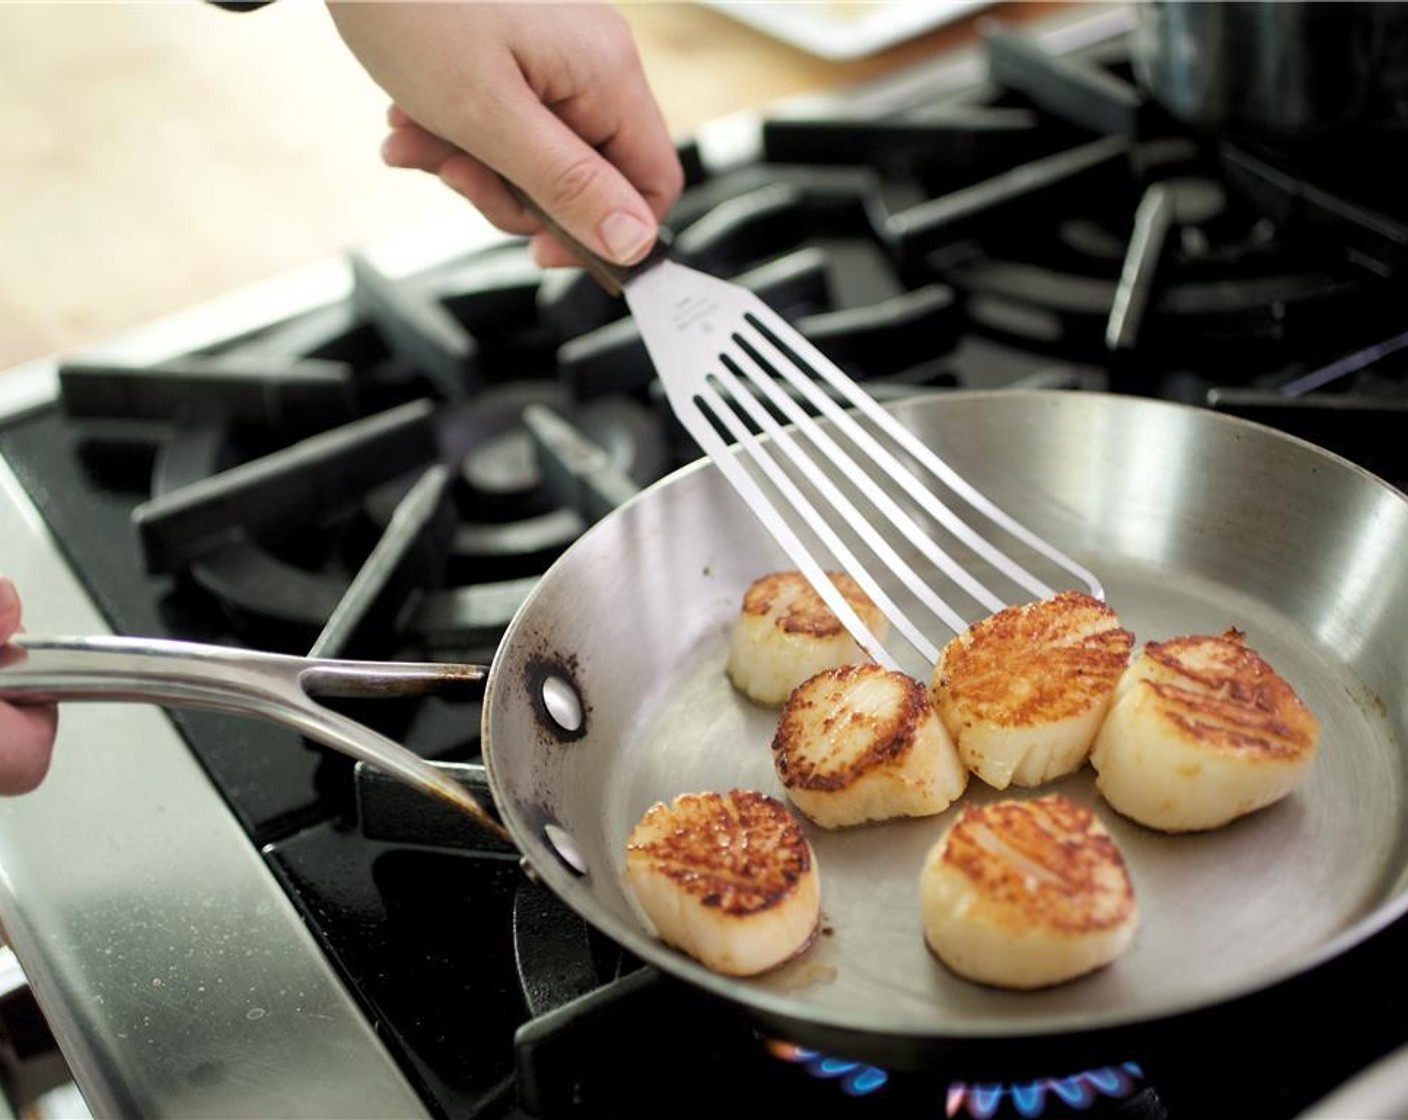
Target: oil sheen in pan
{"type": "Point", "coordinates": [1220, 910]}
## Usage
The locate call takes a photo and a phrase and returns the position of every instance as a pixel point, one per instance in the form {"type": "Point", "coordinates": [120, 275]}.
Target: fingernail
{"type": "Point", "coordinates": [9, 597]}
{"type": "Point", "coordinates": [626, 237]}
{"type": "Point", "coordinates": [389, 146]}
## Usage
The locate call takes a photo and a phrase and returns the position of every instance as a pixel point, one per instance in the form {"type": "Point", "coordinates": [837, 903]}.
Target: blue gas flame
{"type": "Point", "coordinates": [980, 1101]}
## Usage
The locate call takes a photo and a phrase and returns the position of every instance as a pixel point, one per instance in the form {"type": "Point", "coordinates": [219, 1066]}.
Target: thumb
{"type": "Point", "coordinates": [9, 609]}
{"type": "Point", "coordinates": [580, 191]}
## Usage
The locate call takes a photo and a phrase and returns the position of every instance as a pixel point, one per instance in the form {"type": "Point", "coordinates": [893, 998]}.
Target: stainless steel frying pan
{"type": "Point", "coordinates": [608, 693]}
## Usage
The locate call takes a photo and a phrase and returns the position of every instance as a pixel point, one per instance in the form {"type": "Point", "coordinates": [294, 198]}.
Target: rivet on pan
{"type": "Point", "coordinates": [566, 848]}
{"type": "Point", "coordinates": [563, 703]}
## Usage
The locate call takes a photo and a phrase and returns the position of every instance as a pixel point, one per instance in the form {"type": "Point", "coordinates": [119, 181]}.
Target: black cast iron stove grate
{"type": "Point", "coordinates": [386, 476]}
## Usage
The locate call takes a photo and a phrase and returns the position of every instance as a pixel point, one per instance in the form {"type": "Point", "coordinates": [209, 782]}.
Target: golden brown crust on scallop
{"type": "Point", "coordinates": [1044, 863]}
{"type": "Point", "coordinates": [800, 610]}
{"type": "Point", "coordinates": [800, 743]}
{"type": "Point", "coordinates": [1035, 663]}
{"type": "Point", "coordinates": [741, 852]}
{"type": "Point", "coordinates": [1218, 692]}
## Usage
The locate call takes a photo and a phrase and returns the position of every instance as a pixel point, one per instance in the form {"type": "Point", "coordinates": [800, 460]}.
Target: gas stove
{"type": "Point", "coordinates": [377, 457]}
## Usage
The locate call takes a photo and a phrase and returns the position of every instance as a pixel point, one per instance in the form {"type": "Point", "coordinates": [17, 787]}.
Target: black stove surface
{"type": "Point", "coordinates": [386, 476]}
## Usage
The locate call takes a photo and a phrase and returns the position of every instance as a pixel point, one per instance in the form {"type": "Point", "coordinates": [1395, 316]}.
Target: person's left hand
{"type": "Point", "coordinates": [26, 731]}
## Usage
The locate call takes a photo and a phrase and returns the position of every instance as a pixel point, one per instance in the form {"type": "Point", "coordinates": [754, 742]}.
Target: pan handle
{"type": "Point", "coordinates": [267, 686]}
{"type": "Point", "coordinates": [611, 276]}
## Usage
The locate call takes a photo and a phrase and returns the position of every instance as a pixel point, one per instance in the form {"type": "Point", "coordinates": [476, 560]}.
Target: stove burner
{"type": "Point", "coordinates": [1092, 1092]}
{"type": "Point", "coordinates": [856, 1079]}
{"type": "Point", "coordinates": [1084, 1093]}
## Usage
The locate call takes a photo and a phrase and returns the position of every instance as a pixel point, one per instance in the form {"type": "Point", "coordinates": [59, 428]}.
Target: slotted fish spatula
{"type": "Point", "coordinates": [734, 369]}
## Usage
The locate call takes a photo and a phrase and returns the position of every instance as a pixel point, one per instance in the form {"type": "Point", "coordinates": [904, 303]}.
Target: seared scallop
{"type": "Point", "coordinates": [863, 743]}
{"type": "Point", "coordinates": [1026, 894]}
{"type": "Point", "coordinates": [1024, 691]}
{"type": "Point", "coordinates": [1202, 731]}
{"type": "Point", "coordinates": [727, 878]}
{"type": "Point", "coordinates": [785, 633]}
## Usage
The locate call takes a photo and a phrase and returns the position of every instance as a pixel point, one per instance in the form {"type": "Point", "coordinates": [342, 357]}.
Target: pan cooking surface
{"type": "Point", "coordinates": [1220, 910]}
{"type": "Point", "coordinates": [1195, 523]}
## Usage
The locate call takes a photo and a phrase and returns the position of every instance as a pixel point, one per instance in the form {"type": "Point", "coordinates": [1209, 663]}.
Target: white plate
{"type": "Point", "coordinates": [845, 29]}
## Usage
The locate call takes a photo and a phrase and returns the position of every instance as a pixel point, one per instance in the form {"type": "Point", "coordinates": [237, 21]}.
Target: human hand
{"type": "Point", "coordinates": [26, 731]}
{"type": "Point", "coordinates": [552, 97]}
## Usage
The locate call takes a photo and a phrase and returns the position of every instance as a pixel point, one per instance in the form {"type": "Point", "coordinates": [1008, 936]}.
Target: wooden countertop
{"type": "Point", "coordinates": [159, 155]}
